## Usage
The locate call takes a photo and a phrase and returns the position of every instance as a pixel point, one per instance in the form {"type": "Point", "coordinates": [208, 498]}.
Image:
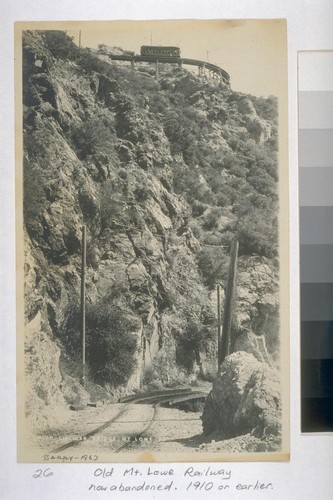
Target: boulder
{"type": "Point", "coordinates": [245, 399]}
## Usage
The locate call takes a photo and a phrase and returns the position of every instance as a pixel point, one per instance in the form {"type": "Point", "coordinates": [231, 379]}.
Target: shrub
{"type": "Point", "coordinates": [188, 346]}
{"type": "Point", "coordinates": [94, 136]}
{"type": "Point", "coordinates": [213, 265]}
{"type": "Point", "coordinates": [222, 200]}
{"type": "Point", "coordinates": [60, 44]}
{"type": "Point", "coordinates": [198, 208]}
{"type": "Point", "coordinates": [266, 108]}
{"type": "Point", "coordinates": [212, 219]}
{"type": "Point", "coordinates": [111, 345]}
{"type": "Point", "coordinates": [193, 341]}
{"type": "Point", "coordinates": [238, 170]}
{"type": "Point", "coordinates": [263, 184]}
{"type": "Point", "coordinates": [257, 233]}
{"type": "Point", "coordinates": [90, 62]}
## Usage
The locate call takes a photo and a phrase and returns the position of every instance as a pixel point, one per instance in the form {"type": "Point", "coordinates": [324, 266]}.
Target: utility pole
{"type": "Point", "coordinates": [219, 327]}
{"type": "Point", "coordinates": [83, 303]}
{"type": "Point", "coordinates": [226, 331]}
{"type": "Point", "coordinates": [79, 38]}
{"type": "Point", "coordinates": [212, 50]}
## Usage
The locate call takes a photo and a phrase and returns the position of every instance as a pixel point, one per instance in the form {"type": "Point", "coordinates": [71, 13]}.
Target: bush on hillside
{"type": "Point", "coordinates": [94, 136]}
{"type": "Point", "coordinates": [257, 233]}
{"type": "Point", "coordinates": [213, 264]}
{"type": "Point", "coordinates": [111, 345]}
{"type": "Point", "coordinates": [60, 44]}
{"type": "Point", "coordinates": [266, 108]}
{"type": "Point", "coordinates": [212, 218]}
{"type": "Point", "coordinates": [198, 333]}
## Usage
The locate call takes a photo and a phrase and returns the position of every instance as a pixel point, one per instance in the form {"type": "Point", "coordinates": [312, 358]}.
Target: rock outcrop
{"type": "Point", "coordinates": [245, 398]}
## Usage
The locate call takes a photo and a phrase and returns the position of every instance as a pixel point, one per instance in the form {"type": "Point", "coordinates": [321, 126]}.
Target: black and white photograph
{"type": "Point", "coordinates": [152, 241]}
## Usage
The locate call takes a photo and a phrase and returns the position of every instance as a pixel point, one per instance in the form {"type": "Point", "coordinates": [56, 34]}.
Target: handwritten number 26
{"type": "Point", "coordinates": [43, 473]}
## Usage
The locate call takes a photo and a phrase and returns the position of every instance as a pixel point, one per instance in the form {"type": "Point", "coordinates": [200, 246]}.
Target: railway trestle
{"type": "Point", "coordinates": [213, 70]}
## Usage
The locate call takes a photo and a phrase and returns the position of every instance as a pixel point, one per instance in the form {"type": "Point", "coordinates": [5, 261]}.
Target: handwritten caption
{"type": "Point", "coordinates": [155, 478]}
{"type": "Point", "coordinates": [162, 478]}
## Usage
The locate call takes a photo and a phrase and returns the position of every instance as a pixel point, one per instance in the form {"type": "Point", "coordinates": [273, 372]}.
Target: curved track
{"type": "Point", "coordinates": [221, 73]}
{"type": "Point", "coordinates": [137, 435]}
{"type": "Point", "coordinates": [151, 402]}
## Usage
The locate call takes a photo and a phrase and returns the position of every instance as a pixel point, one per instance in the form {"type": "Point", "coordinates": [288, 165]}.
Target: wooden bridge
{"type": "Point", "coordinates": [203, 66]}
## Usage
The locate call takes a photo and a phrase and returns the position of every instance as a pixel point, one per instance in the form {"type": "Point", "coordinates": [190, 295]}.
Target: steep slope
{"type": "Point", "coordinates": [164, 172]}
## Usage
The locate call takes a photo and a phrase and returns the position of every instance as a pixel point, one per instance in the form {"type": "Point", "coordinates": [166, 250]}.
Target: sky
{"type": "Point", "coordinates": [253, 52]}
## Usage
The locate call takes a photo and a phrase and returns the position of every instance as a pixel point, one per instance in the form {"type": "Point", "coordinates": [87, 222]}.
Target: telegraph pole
{"type": "Point", "coordinates": [83, 303]}
{"type": "Point", "coordinates": [226, 331]}
{"type": "Point", "coordinates": [219, 327]}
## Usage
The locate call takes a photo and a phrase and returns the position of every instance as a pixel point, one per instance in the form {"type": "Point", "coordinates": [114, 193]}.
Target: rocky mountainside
{"type": "Point", "coordinates": [164, 172]}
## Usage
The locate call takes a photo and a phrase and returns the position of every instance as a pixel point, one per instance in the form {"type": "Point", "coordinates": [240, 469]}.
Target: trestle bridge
{"type": "Point", "coordinates": [213, 70]}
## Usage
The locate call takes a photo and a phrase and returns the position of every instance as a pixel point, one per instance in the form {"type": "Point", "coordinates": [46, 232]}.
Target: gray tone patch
{"type": "Point", "coordinates": [316, 263]}
{"type": "Point", "coordinates": [316, 225]}
{"type": "Point", "coordinates": [315, 148]}
{"type": "Point", "coordinates": [316, 186]}
{"type": "Point", "coordinates": [315, 110]}
{"type": "Point", "coordinates": [316, 301]}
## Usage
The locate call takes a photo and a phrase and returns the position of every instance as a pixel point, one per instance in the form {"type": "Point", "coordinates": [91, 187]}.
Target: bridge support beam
{"type": "Point", "coordinates": [132, 65]}
{"type": "Point", "coordinates": [156, 68]}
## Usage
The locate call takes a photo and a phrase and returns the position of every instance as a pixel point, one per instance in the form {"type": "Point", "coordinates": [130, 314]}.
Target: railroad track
{"type": "Point", "coordinates": [152, 402]}
{"type": "Point", "coordinates": [137, 435]}
{"type": "Point", "coordinates": [175, 60]}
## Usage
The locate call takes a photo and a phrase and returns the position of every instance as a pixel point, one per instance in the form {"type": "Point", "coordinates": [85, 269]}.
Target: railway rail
{"type": "Point", "coordinates": [202, 65]}
{"type": "Point", "coordinates": [152, 401]}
